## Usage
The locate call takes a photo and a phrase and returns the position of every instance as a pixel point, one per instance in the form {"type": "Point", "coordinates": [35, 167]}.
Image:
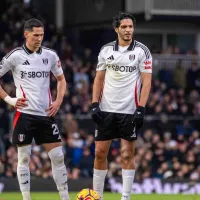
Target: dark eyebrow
{"type": "Point", "coordinates": [38, 34]}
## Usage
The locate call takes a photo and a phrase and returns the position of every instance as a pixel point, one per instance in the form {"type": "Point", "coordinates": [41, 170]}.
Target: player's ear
{"type": "Point", "coordinates": [25, 34]}
{"type": "Point", "coordinates": [116, 30]}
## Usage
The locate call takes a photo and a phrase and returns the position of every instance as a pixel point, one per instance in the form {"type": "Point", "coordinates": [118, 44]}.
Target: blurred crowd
{"type": "Point", "coordinates": [165, 149]}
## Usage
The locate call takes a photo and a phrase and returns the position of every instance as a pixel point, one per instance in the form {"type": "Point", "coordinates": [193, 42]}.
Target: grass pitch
{"type": "Point", "coordinates": [107, 196]}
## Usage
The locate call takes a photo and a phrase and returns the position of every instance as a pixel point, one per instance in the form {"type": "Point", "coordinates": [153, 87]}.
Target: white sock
{"type": "Point", "coordinates": [128, 178]}
{"type": "Point", "coordinates": [59, 172]}
{"type": "Point", "coordinates": [98, 181]}
{"type": "Point", "coordinates": [26, 195]}
{"type": "Point", "coordinates": [23, 172]}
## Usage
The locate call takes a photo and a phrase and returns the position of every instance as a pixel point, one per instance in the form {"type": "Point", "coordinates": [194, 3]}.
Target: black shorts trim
{"type": "Point", "coordinates": [27, 127]}
{"type": "Point", "coordinates": [115, 125]}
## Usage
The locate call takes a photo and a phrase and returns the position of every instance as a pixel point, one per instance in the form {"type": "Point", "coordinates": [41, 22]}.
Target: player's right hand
{"type": "Point", "coordinates": [96, 113]}
{"type": "Point", "coordinates": [16, 102]}
{"type": "Point", "coordinates": [21, 102]}
{"type": "Point", "coordinates": [139, 117]}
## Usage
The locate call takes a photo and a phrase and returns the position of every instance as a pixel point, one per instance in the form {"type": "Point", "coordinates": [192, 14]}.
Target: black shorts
{"type": "Point", "coordinates": [116, 125]}
{"type": "Point", "coordinates": [27, 127]}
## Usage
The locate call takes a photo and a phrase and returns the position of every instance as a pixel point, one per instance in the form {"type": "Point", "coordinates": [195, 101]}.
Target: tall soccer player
{"type": "Point", "coordinates": [120, 92]}
{"type": "Point", "coordinates": [31, 65]}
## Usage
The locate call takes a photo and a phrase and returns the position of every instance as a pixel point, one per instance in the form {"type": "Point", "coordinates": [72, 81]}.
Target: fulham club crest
{"type": "Point", "coordinates": [45, 61]}
{"type": "Point", "coordinates": [21, 137]}
{"type": "Point", "coordinates": [131, 57]}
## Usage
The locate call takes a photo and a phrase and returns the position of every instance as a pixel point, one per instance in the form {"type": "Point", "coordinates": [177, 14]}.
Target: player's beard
{"type": "Point", "coordinates": [125, 38]}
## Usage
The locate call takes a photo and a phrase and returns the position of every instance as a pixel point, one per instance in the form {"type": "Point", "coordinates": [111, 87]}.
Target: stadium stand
{"type": "Point", "coordinates": [169, 141]}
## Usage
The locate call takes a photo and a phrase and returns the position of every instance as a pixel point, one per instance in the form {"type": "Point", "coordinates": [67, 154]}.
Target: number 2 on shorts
{"type": "Point", "coordinates": [55, 130]}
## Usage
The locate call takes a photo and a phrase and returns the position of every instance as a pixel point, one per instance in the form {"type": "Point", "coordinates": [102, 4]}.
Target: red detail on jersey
{"type": "Point", "coordinates": [24, 95]}
{"type": "Point", "coordinates": [136, 97]}
{"type": "Point", "coordinates": [59, 64]}
{"type": "Point", "coordinates": [101, 94]}
{"type": "Point", "coordinates": [49, 92]}
{"type": "Point", "coordinates": [17, 115]}
{"type": "Point", "coordinates": [148, 62]}
{"type": "Point", "coordinates": [147, 67]}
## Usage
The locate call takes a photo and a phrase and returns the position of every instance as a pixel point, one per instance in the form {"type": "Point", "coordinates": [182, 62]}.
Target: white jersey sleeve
{"type": "Point", "coordinates": [56, 68]}
{"type": "Point", "coordinates": [145, 61]}
{"type": "Point", "coordinates": [6, 64]}
{"type": "Point", "coordinates": [101, 65]}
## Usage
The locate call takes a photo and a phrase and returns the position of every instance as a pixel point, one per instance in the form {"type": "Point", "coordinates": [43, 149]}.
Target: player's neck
{"type": "Point", "coordinates": [32, 48]}
{"type": "Point", "coordinates": [123, 43]}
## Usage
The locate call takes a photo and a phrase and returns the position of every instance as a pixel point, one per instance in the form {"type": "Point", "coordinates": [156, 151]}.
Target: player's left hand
{"type": "Point", "coordinates": [139, 117]}
{"type": "Point", "coordinates": [53, 108]}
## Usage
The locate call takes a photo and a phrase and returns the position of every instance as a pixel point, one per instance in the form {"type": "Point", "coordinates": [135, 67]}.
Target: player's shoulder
{"type": "Point", "coordinates": [14, 52]}
{"type": "Point", "coordinates": [143, 48]}
{"type": "Point", "coordinates": [49, 51]}
{"type": "Point", "coordinates": [108, 46]}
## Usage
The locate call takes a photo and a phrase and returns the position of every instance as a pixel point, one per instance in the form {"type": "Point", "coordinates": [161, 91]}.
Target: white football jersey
{"type": "Point", "coordinates": [31, 73]}
{"type": "Point", "coordinates": [122, 84]}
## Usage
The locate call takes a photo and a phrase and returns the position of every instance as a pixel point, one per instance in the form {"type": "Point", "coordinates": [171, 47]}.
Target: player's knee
{"type": "Point", "coordinates": [56, 155]}
{"type": "Point", "coordinates": [126, 155]}
{"type": "Point", "coordinates": [100, 154]}
{"type": "Point", "coordinates": [24, 154]}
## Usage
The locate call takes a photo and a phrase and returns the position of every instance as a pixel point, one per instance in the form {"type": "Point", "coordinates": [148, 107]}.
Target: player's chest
{"type": "Point", "coordinates": [127, 58]}
{"type": "Point", "coordinates": [33, 63]}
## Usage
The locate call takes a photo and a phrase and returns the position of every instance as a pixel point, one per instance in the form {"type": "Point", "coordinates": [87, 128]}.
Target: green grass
{"type": "Point", "coordinates": [107, 196]}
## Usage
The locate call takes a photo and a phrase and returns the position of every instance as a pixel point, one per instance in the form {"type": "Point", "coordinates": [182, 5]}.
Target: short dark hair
{"type": "Point", "coordinates": [31, 23]}
{"type": "Point", "coordinates": [121, 16]}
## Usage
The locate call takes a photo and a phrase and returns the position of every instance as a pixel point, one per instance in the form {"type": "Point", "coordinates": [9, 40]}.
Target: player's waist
{"type": "Point", "coordinates": [28, 111]}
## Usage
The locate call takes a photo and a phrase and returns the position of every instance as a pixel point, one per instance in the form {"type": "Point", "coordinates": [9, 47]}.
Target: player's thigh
{"type": "Point", "coordinates": [102, 147]}
{"type": "Point", "coordinates": [107, 129]}
{"type": "Point", "coordinates": [23, 129]}
{"type": "Point", "coordinates": [47, 131]}
{"type": "Point", "coordinates": [126, 127]}
{"type": "Point", "coordinates": [49, 146]}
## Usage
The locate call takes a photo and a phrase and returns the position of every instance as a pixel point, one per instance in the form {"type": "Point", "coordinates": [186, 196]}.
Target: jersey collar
{"type": "Point", "coordinates": [130, 48]}
{"type": "Point", "coordinates": [28, 51]}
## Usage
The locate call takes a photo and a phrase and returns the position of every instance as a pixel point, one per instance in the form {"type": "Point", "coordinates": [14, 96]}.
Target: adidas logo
{"type": "Point", "coordinates": [26, 63]}
{"type": "Point", "coordinates": [26, 182]}
{"type": "Point", "coordinates": [111, 58]}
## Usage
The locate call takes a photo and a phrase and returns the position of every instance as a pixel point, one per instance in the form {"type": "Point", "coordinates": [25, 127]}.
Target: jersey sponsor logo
{"type": "Point", "coordinates": [26, 63]}
{"type": "Point", "coordinates": [45, 61]}
{"type": "Point", "coordinates": [147, 67]}
{"type": "Point", "coordinates": [111, 58]}
{"type": "Point", "coordinates": [59, 64]}
{"type": "Point", "coordinates": [148, 62]}
{"type": "Point", "coordinates": [122, 68]}
{"type": "Point", "coordinates": [21, 137]}
{"type": "Point", "coordinates": [131, 57]}
{"type": "Point", "coordinates": [40, 74]}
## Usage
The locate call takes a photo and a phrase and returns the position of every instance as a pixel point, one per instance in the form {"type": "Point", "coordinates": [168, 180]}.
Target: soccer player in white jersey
{"type": "Point", "coordinates": [31, 65]}
{"type": "Point", "coordinates": [120, 92]}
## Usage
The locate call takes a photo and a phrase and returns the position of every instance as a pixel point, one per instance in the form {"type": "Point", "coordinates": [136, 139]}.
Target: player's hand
{"type": "Point", "coordinates": [138, 117]}
{"type": "Point", "coordinates": [53, 108]}
{"type": "Point", "coordinates": [16, 102]}
{"type": "Point", "coordinates": [21, 102]}
{"type": "Point", "coordinates": [96, 113]}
